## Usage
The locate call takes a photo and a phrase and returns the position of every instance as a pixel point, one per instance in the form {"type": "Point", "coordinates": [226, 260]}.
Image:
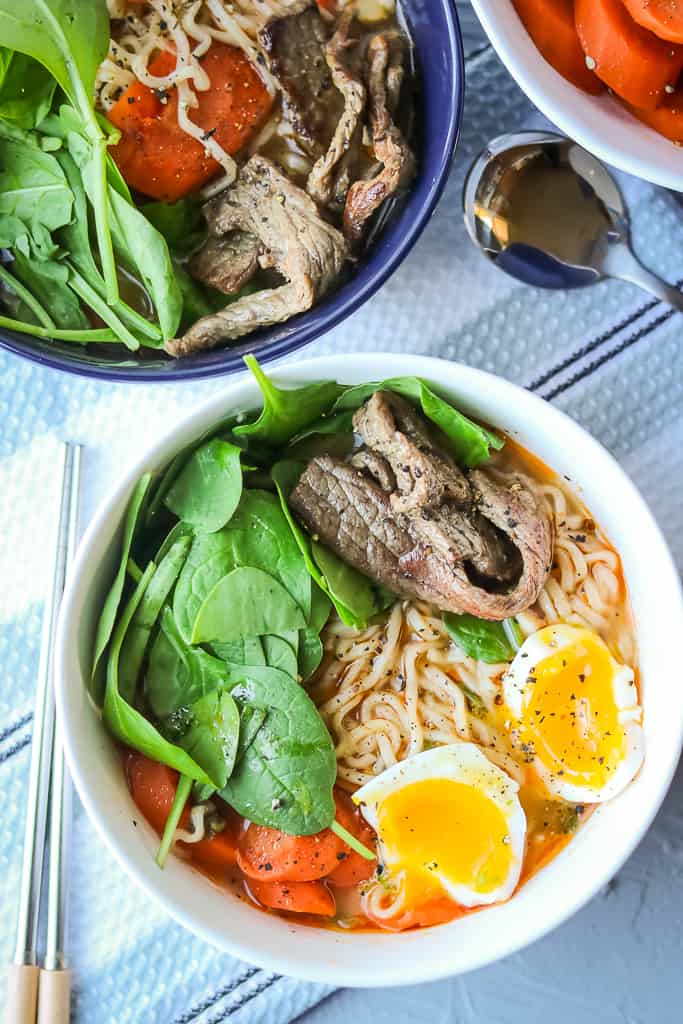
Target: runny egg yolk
{"type": "Point", "coordinates": [442, 834]}
{"type": "Point", "coordinates": [570, 720]}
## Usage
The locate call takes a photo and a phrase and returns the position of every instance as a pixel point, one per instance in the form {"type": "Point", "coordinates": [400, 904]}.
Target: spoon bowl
{"type": "Point", "coordinates": [548, 213]}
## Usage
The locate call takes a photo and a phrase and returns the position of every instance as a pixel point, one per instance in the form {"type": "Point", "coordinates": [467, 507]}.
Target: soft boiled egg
{"type": "Point", "coordinates": [451, 823]}
{"type": "Point", "coordinates": [575, 713]}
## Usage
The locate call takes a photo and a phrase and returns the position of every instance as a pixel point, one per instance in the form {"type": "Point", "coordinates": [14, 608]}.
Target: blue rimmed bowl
{"type": "Point", "coordinates": [433, 25]}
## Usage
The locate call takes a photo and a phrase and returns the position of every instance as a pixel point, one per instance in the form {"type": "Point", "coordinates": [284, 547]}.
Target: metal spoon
{"type": "Point", "coordinates": [550, 214]}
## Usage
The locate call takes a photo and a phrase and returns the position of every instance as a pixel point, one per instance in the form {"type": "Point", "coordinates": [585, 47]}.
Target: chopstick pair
{"type": "Point", "coordinates": [42, 994]}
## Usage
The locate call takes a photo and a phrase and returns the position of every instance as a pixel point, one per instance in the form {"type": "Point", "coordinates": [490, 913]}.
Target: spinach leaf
{"type": "Point", "coordinates": [213, 735]}
{"type": "Point", "coordinates": [341, 423]}
{"type": "Point", "coordinates": [70, 38]}
{"type": "Point", "coordinates": [347, 587]}
{"type": "Point", "coordinates": [75, 238]}
{"type": "Point", "coordinates": [284, 778]}
{"type": "Point", "coordinates": [248, 650]}
{"type": "Point", "coordinates": [178, 675]}
{"type": "Point", "coordinates": [321, 607]}
{"type": "Point", "coordinates": [146, 615]}
{"type": "Point", "coordinates": [182, 224]}
{"type": "Point", "coordinates": [16, 295]}
{"type": "Point", "coordinates": [175, 534]}
{"type": "Point", "coordinates": [209, 487]}
{"type": "Point", "coordinates": [485, 641]}
{"type": "Point", "coordinates": [310, 653]}
{"type": "Point", "coordinates": [286, 413]}
{"type": "Point", "coordinates": [181, 797]}
{"type": "Point", "coordinates": [256, 536]}
{"type": "Point", "coordinates": [33, 188]}
{"type": "Point", "coordinates": [281, 654]}
{"type": "Point", "coordinates": [470, 443]}
{"type": "Point", "coordinates": [139, 246]}
{"type": "Point", "coordinates": [48, 281]}
{"type": "Point", "coordinates": [246, 602]}
{"type": "Point", "coordinates": [127, 724]}
{"type": "Point", "coordinates": [26, 90]}
{"type": "Point", "coordinates": [113, 599]}
{"type": "Point", "coordinates": [350, 585]}
{"type": "Point", "coordinates": [251, 720]}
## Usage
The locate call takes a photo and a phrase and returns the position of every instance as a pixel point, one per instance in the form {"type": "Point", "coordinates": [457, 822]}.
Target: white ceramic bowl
{"type": "Point", "coordinates": [599, 123]}
{"type": "Point", "coordinates": [567, 883]}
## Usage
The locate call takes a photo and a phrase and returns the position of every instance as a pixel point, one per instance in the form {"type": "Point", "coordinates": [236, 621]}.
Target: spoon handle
{"type": "Point", "coordinates": [619, 261]}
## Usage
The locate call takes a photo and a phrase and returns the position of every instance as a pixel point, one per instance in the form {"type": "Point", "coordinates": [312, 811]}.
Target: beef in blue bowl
{"type": "Point", "coordinates": [246, 176]}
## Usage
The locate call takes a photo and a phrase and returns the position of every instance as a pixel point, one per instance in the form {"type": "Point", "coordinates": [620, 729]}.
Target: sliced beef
{"type": "Point", "coordinates": [403, 513]}
{"type": "Point", "coordinates": [386, 58]}
{"type": "Point", "coordinates": [330, 178]}
{"type": "Point", "coordinates": [293, 239]}
{"type": "Point", "coordinates": [295, 49]}
{"type": "Point", "coordinates": [227, 263]}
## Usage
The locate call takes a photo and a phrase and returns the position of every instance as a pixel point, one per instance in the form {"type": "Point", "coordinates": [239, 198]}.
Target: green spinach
{"type": "Point", "coordinates": [208, 489]}
{"type": "Point", "coordinates": [179, 675]}
{"type": "Point", "coordinates": [127, 724]}
{"type": "Point", "coordinates": [213, 735]}
{"type": "Point", "coordinates": [286, 413]}
{"type": "Point", "coordinates": [110, 607]}
{"type": "Point", "coordinates": [246, 602]}
{"type": "Point", "coordinates": [257, 536]}
{"type": "Point", "coordinates": [26, 90]}
{"type": "Point", "coordinates": [284, 778]}
{"type": "Point", "coordinates": [490, 642]}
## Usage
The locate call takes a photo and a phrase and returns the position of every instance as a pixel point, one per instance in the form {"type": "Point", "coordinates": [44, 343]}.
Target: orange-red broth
{"type": "Point", "coordinates": [551, 824]}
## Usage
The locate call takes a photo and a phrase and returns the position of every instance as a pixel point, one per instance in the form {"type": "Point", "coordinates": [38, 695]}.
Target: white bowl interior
{"type": "Point", "coordinates": [599, 123]}
{"type": "Point", "coordinates": [570, 880]}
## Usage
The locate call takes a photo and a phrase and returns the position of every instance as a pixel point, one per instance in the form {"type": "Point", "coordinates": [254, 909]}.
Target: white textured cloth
{"type": "Point", "coordinates": [606, 355]}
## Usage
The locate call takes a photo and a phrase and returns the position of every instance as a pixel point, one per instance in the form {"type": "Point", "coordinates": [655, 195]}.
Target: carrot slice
{"type": "Point", "coordinates": [633, 62]}
{"type": "Point", "coordinates": [550, 23]}
{"type": "Point", "coordinates": [663, 17]}
{"type": "Point", "coordinates": [159, 159]}
{"type": "Point", "coordinates": [667, 120]}
{"type": "Point", "coordinates": [352, 868]}
{"type": "Point", "coordinates": [296, 897]}
{"type": "Point", "coordinates": [267, 853]}
{"type": "Point", "coordinates": [153, 786]}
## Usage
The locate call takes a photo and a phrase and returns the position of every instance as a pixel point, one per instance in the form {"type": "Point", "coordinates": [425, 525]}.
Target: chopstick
{"type": "Point", "coordinates": [26, 980]}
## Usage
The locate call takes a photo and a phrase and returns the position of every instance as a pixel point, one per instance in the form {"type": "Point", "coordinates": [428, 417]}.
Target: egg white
{"type": "Point", "coordinates": [464, 763]}
{"type": "Point", "coordinates": [517, 691]}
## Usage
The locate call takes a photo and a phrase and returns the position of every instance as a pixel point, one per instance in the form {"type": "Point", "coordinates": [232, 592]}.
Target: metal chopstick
{"type": "Point", "coordinates": [24, 971]}
{"type": "Point", "coordinates": [54, 990]}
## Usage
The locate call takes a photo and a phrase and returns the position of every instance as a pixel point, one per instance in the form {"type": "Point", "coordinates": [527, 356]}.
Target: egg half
{"type": "Point", "coordinates": [575, 713]}
{"type": "Point", "coordinates": [450, 823]}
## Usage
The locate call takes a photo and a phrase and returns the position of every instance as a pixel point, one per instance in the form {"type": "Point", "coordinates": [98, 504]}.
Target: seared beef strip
{"type": "Point", "coordinates": [307, 251]}
{"type": "Point", "coordinates": [386, 56]}
{"type": "Point", "coordinates": [227, 263]}
{"type": "Point", "coordinates": [330, 178]}
{"type": "Point", "coordinates": [462, 541]}
{"type": "Point", "coordinates": [295, 50]}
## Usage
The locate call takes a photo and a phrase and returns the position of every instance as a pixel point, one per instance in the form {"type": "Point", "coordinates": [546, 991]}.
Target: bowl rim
{"type": "Point", "coordinates": [341, 307]}
{"type": "Point", "coordinates": [500, 942]}
{"type": "Point", "coordinates": [541, 83]}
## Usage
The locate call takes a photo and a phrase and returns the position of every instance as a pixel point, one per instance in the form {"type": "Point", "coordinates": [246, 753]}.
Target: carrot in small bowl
{"type": "Point", "coordinates": [666, 119]}
{"type": "Point", "coordinates": [550, 23]}
{"type": "Point", "coordinates": [266, 853]}
{"type": "Point", "coordinates": [155, 156]}
{"type": "Point", "coordinates": [295, 897]}
{"type": "Point", "coordinates": [663, 17]}
{"type": "Point", "coordinates": [630, 60]}
{"type": "Point", "coordinates": [352, 868]}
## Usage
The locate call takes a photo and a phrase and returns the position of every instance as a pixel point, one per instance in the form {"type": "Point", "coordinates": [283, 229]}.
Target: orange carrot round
{"type": "Point", "coordinates": [663, 17]}
{"type": "Point", "coordinates": [152, 786]}
{"type": "Point", "coordinates": [296, 897]}
{"type": "Point", "coordinates": [550, 23]}
{"type": "Point", "coordinates": [267, 853]}
{"type": "Point", "coordinates": [160, 160]}
{"type": "Point", "coordinates": [630, 60]}
{"type": "Point", "coordinates": [352, 868]}
{"type": "Point", "coordinates": [667, 119]}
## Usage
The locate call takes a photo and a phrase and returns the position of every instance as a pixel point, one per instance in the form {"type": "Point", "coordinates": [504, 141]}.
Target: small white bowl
{"type": "Point", "coordinates": [599, 123]}
{"type": "Point", "coordinates": [589, 861]}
